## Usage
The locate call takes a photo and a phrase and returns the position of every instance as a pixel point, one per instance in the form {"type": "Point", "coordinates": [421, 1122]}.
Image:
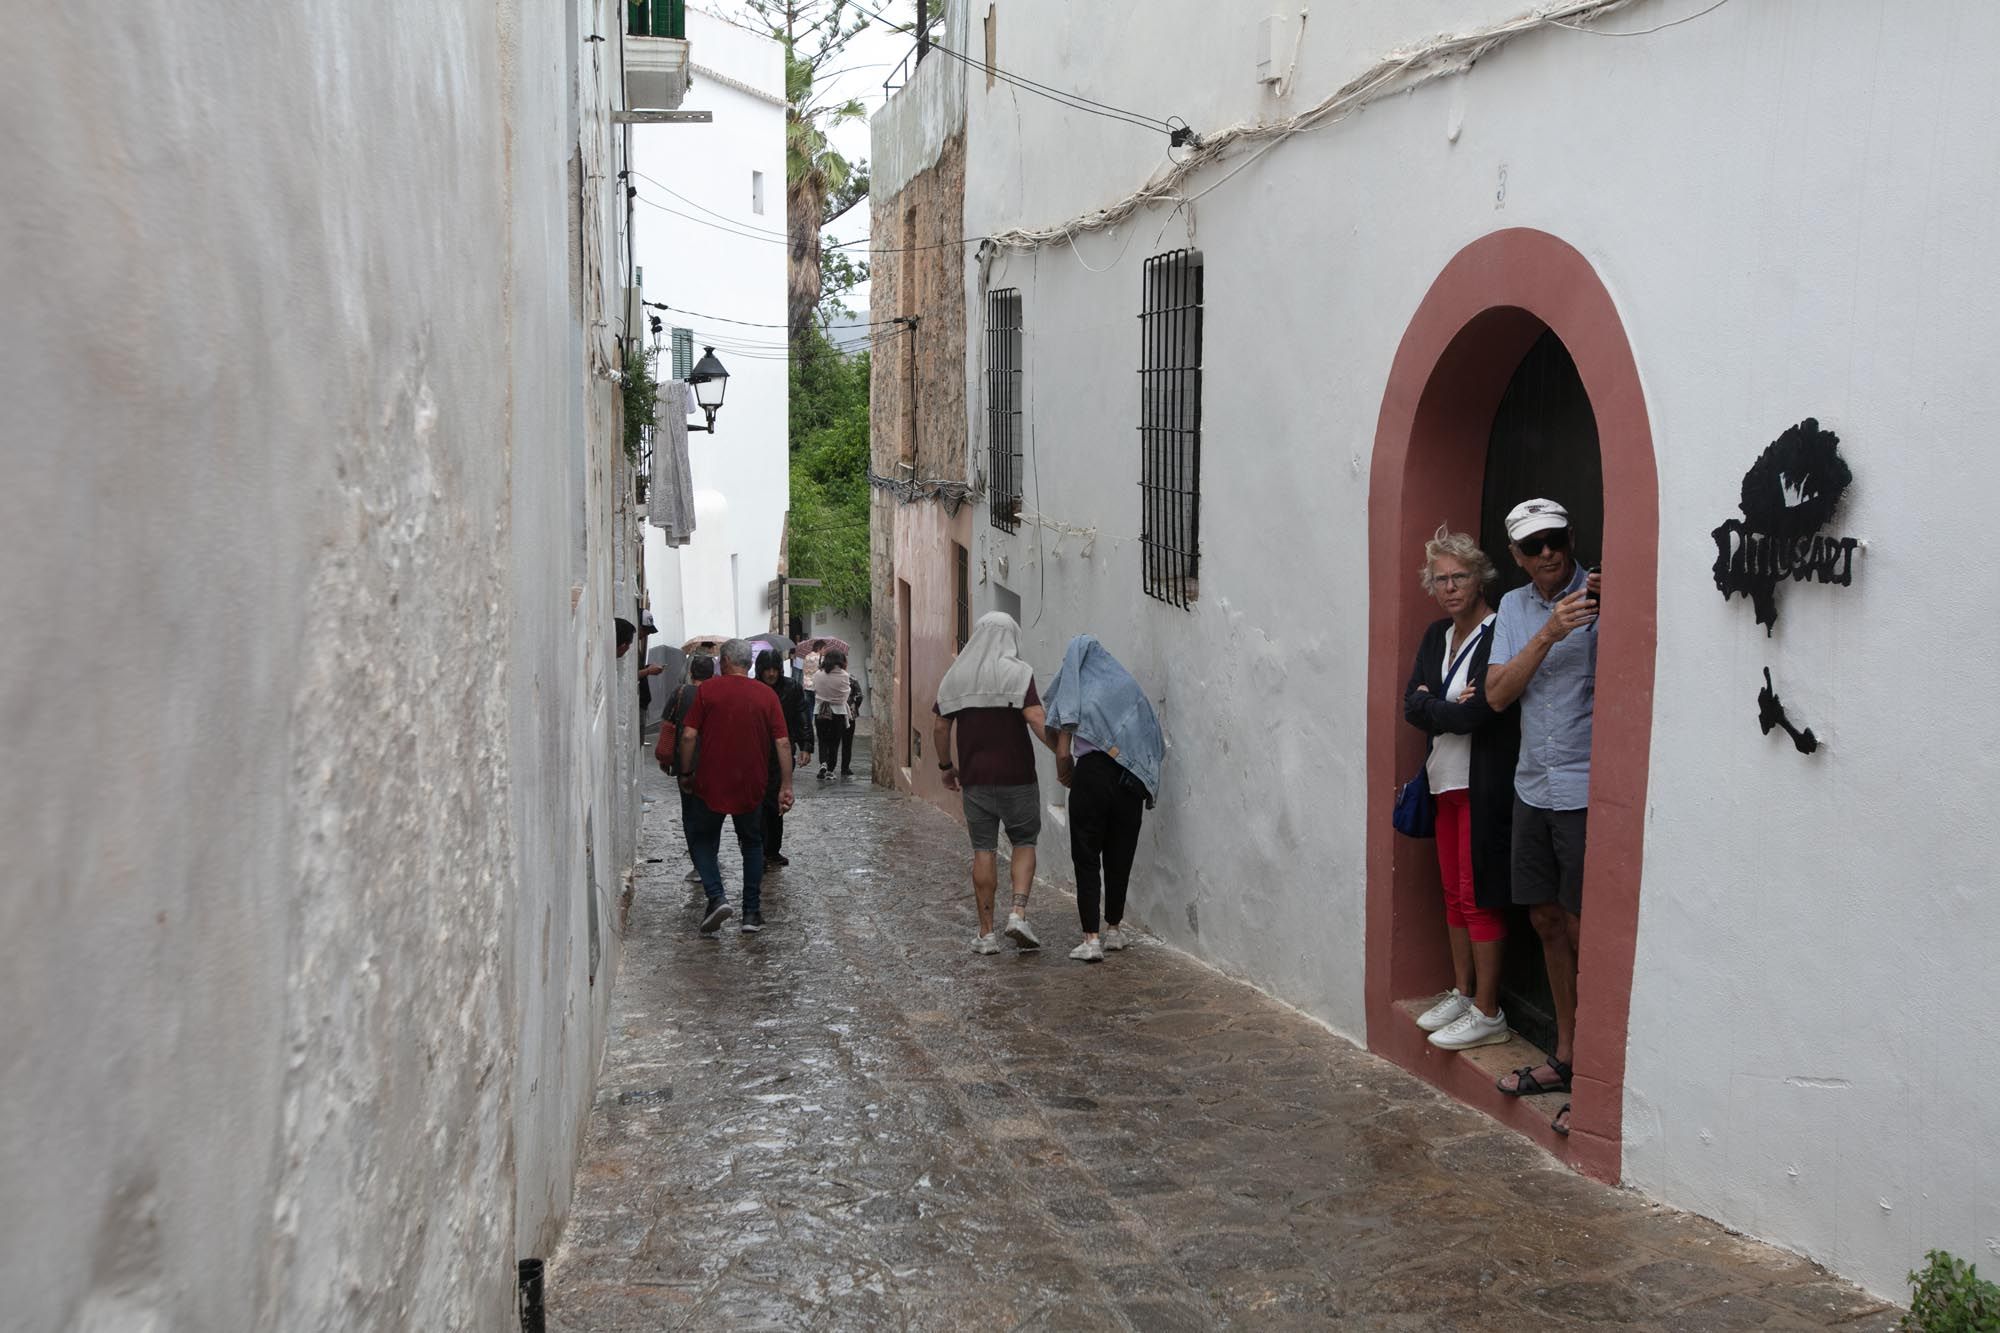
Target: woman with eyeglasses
{"type": "Point", "coordinates": [1470, 764]}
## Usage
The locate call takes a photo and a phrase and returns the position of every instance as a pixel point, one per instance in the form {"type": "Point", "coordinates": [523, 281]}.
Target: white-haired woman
{"type": "Point", "coordinates": [1470, 763]}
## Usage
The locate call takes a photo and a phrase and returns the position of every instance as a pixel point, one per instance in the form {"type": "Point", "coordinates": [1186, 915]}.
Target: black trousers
{"type": "Point", "coordinates": [829, 725]}
{"type": "Point", "coordinates": [847, 745]}
{"type": "Point", "coordinates": [774, 822]}
{"type": "Point", "coordinates": [1106, 807]}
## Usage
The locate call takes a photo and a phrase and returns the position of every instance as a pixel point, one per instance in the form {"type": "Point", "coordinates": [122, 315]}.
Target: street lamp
{"type": "Point", "coordinates": [709, 381]}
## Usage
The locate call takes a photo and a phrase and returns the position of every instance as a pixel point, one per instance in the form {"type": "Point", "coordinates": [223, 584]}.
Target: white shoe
{"type": "Point", "coordinates": [985, 943]}
{"type": "Point", "coordinates": [1113, 939]}
{"type": "Point", "coordinates": [1472, 1029]}
{"type": "Point", "coordinates": [1445, 1012]}
{"type": "Point", "coordinates": [1090, 951]}
{"type": "Point", "coordinates": [1023, 934]}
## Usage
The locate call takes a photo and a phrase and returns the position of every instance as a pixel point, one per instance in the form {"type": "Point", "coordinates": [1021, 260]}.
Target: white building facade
{"type": "Point", "coordinates": [320, 805]}
{"type": "Point", "coordinates": [1546, 259]}
{"type": "Point", "coordinates": [709, 237]}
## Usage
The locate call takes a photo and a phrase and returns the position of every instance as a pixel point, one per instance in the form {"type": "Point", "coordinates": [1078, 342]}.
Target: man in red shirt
{"type": "Point", "coordinates": [725, 749]}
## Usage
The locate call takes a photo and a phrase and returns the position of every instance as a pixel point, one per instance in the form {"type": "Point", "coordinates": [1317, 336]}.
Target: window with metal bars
{"type": "Point", "coordinates": [683, 353]}
{"type": "Point", "coordinates": [1003, 407]}
{"type": "Point", "coordinates": [1170, 425]}
{"type": "Point", "coordinates": [963, 559]}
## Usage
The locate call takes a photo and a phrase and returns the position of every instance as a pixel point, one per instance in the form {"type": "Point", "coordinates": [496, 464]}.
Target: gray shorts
{"type": "Point", "coordinates": [987, 808]}
{"type": "Point", "coordinates": [1548, 856]}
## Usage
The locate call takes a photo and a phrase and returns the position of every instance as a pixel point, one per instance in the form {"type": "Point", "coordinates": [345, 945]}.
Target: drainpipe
{"type": "Point", "coordinates": [532, 1320]}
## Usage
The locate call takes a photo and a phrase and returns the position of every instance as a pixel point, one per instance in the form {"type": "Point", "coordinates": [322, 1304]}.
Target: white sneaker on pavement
{"type": "Point", "coordinates": [985, 943]}
{"type": "Point", "coordinates": [1090, 951]}
{"type": "Point", "coordinates": [1445, 1012]}
{"type": "Point", "coordinates": [1472, 1029]}
{"type": "Point", "coordinates": [1023, 934]}
{"type": "Point", "coordinates": [1112, 939]}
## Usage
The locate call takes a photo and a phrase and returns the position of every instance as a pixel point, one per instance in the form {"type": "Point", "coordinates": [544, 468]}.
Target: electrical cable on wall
{"type": "Point", "coordinates": [1395, 73]}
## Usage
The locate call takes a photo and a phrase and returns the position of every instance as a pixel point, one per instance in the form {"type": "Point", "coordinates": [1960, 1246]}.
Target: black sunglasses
{"type": "Point", "coordinates": [1555, 539]}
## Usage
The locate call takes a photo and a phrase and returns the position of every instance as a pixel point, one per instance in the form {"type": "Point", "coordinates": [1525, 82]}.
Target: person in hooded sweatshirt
{"type": "Point", "coordinates": [1109, 749]}
{"type": "Point", "coordinates": [988, 698]}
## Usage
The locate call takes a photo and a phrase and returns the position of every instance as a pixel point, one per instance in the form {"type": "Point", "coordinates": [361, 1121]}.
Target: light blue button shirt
{"type": "Point", "coordinates": [1554, 771]}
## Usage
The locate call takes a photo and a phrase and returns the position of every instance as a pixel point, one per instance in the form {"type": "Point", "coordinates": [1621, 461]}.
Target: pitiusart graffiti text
{"type": "Point", "coordinates": [1789, 494]}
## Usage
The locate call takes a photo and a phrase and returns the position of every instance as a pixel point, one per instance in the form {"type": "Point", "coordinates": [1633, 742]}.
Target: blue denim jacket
{"type": "Point", "coordinates": [1097, 698]}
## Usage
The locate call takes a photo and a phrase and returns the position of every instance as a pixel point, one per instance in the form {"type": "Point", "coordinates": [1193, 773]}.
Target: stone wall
{"type": "Point", "coordinates": [917, 406]}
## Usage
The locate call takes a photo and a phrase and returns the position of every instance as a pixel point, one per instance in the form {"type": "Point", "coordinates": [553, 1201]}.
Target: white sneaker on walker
{"type": "Point", "coordinates": [1023, 934]}
{"type": "Point", "coordinates": [985, 943]}
{"type": "Point", "coordinates": [1113, 939]}
{"type": "Point", "coordinates": [1445, 1012]}
{"type": "Point", "coordinates": [1090, 951]}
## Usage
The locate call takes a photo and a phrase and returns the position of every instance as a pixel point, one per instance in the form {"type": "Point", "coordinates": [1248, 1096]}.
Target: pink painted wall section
{"type": "Point", "coordinates": [925, 535]}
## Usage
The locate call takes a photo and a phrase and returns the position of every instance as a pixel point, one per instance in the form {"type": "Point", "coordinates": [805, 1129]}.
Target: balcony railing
{"type": "Point", "coordinates": [656, 18]}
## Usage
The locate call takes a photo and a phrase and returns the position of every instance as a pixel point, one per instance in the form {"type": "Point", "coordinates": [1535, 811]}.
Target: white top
{"type": "Point", "coordinates": [830, 688]}
{"type": "Point", "coordinates": [1450, 764]}
{"type": "Point", "coordinates": [810, 665]}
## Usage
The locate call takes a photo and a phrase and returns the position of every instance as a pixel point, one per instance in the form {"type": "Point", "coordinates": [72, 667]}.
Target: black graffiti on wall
{"type": "Point", "coordinates": [1789, 494]}
{"type": "Point", "coordinates": [1771, 715]}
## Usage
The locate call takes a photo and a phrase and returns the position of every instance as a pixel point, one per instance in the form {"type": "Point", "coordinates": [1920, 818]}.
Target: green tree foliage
{"type": "Point", "coordinates": [829, 437]}
{"type": "Point", "coordinates": [820, 184]}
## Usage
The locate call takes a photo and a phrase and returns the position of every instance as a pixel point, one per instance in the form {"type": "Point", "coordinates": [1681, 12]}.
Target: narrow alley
{"type": "Point", "coordinates": [852, 1122]}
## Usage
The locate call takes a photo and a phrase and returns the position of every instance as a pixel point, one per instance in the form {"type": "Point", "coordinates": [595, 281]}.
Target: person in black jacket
{"type": "Point", "coordinates": [792, 700]}
{"type": "Point", "coordinates": [1470, 762]}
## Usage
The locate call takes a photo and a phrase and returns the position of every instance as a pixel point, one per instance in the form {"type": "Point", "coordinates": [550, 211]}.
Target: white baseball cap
{"type": "Point", "coordinates": [1532, 516]}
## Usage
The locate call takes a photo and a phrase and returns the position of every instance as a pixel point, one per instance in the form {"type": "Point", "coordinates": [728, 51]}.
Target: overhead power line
{"type": "Point", "coordinates": [1073, 100]}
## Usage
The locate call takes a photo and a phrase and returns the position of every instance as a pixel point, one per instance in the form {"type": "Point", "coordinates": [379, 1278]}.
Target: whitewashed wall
{"type": "Point", "coordinates": [305, 499]}
{"type": "Point", "coordinates": [1789, 204]}
{"type": "Point", "coordinates": [716, 256]}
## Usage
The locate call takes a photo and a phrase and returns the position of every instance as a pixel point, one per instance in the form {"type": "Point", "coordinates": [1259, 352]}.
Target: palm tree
{"type": "Point", "coordinates": [820, 183]}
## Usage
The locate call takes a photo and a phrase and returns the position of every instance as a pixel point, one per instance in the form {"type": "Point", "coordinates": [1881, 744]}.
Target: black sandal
{"type": "Point", "coordinates": [1527, 1085]}
{"type": "Point", "coordinates": [1561, 1125]}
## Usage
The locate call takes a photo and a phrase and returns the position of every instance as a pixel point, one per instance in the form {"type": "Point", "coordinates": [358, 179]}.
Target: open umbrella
{"type": "Point", "coordinates": [824, 643]}
{"type": "Point", "coordinates": [778, 641]}
{"type": "Point", "coordinates": [708, 645]}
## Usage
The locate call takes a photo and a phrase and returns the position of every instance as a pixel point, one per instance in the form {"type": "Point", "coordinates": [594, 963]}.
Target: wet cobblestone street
{"type": "Point", "coordinates": [852, 1122]}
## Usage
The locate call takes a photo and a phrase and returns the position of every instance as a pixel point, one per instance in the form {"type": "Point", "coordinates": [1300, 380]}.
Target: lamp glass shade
{"type": "Point", "coordinates": [709, 379]}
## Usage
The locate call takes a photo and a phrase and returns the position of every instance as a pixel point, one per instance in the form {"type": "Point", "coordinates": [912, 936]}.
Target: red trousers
{"type": "Point", "coordinates": [1454, 840]}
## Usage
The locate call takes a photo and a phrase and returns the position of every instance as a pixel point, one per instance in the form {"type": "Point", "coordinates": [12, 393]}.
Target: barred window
{"type": "Point", "coordinates": [683, 353]}
{"type": "Point", "coordinates": [1170, 425]}
{"type": "Point", "coordinates": [1003, 406]}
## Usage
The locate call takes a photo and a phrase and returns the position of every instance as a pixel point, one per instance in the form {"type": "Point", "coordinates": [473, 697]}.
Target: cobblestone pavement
{"type": "Point", "coordinates": [851, 1122]}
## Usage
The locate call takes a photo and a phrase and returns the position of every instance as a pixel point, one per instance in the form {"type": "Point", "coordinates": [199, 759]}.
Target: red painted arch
{"type": "Point", "coordinates": [1479, 318]}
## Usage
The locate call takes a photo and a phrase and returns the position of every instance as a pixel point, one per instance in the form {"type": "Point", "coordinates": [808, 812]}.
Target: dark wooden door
{"type": "Point", "coordinates": [1544, 443]}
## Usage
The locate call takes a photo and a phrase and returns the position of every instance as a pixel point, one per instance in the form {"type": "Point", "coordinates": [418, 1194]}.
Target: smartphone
{"type": "Point", "coordinates": [1599, 597]}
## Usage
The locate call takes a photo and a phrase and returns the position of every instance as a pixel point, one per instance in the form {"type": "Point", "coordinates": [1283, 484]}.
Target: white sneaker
{"type": "Point", "coordinates": [1090, 951]}
{"type": "Point", "coordinates": [1113, 939]}
{"type": "Point", "coordinates": [1023, 934]}
{"type": "Point", "coordinates": [985, 943]}
{"type": "Point", "coordinates": [1445, 1012]}
{"type": "Point", "coordinates": [1472, 1029]}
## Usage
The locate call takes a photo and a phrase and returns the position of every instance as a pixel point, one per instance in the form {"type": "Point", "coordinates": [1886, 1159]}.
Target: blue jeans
{"type": "Point", "coordinates": [704, 835]}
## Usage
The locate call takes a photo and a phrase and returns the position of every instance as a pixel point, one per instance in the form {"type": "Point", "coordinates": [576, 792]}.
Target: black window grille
{"type": "Point", "coordinates": [683, 353]}
{"type": "Point", "coordinates": [1003, 406]}
{"type": "Point", "coordinates": [1170, 426]}
{"type": "Point", "coordinates": [964, 578]}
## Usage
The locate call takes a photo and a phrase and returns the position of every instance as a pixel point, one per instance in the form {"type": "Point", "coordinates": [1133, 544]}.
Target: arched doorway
{"type": "Point", "coordinates": [1484, 323]}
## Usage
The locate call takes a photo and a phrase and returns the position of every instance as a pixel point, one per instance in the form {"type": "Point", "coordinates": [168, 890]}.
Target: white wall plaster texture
{"type": "Point", "coordinates": [1788, 206]}
{"type": "Point", "coordinates": [291, 403]}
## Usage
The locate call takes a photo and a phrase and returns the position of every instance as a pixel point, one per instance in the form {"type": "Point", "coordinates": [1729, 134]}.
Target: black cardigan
{"type": "Point", "coordinates": [1496, 745]}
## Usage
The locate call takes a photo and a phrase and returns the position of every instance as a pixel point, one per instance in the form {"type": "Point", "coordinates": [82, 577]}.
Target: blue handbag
{"type": "Point", "coordinates": [1416, 810]}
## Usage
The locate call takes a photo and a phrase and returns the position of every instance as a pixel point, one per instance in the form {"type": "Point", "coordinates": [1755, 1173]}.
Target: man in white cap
{"type": "Point", "coordinates": [1545, 656]}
